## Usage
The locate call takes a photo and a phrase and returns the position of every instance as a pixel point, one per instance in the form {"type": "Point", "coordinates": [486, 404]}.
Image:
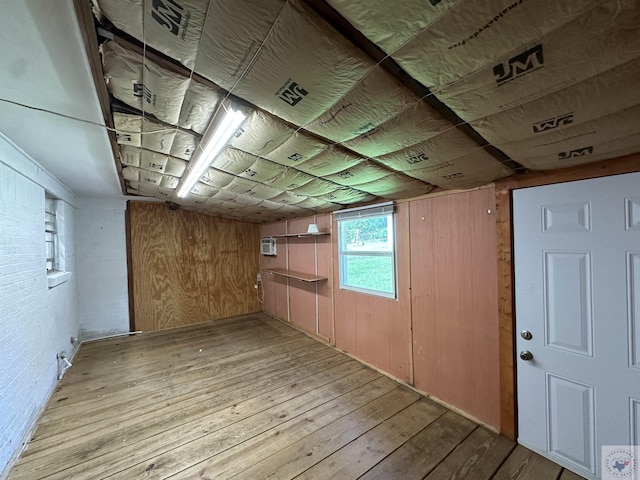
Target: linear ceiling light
{"type": "Point", "coordinates": [215, 139]}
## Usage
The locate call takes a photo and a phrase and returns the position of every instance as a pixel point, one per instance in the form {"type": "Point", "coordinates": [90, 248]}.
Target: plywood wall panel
{"type": "Point", "coordinates": [375, 329]}
{"type": "Point", "coordinates": [302, 305]}
{"type": "Point", "coordinates": [232, 262]}
{"type": "Point", "coordinates": [276, 301]}
{"type": "Point", "coordinates": [190, 268]}
{"type": "Point", "coordinates": [302, 258]}
{"type": "Point", "coordinates": [306, 305]}
{"type": "Point", "coordinates": [325, 269]}
{"type": "Point", "coordinates": [275, 288]}
{"type": "Point", "coordinates": [454, 301]}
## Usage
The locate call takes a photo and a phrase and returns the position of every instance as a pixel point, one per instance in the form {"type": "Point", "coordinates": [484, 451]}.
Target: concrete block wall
{"type": "Point", "coordinates": [36, 322]}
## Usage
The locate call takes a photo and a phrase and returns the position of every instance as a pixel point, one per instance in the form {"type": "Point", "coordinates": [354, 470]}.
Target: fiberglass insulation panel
{"type": "Point", "coordinates": [246, 165]}
{"type": "Point", "coordinates": [469, 171]}
{"type": "Point", "coordinates": [471, 35]}
{"type": "Point", "coordinates": [216, 178]}
{"type": "Point", "coordinates": [585, 154]}
{"type": "Point", "coordinates": [602, 130]}
{"type": "Point", "coordinates": [316, 188]}
{"type": "Point", "coordinates": [133, 130]}
{"type": "Point", "coordinates": [261, 133]}
{"type": "Point", "coordinates": [169, 96]}
{"type": "Point", "coordinates": [172, 27]}
{"type": "Point", "coordinates": [347, 195]}
{"type": "Point", "coordinates": [232, 38]}
{"type": "Point", "coordinates": [417, 123]}
{"type": "Point", "coordinates": [392, 24]}
{"type": "Point", "coordinates": [329, 161]}
{"type": "Point", "coordinates": [554, 97]}
{"type": "Point", "coordinates": [254, 189]}
{"type": "Point", "coordinates": [198, 107]}
{"type": "Point", "coordinates": [604, 94]}
{"type": "Point", "coordinates": [580, 50]}
{"type": "Point", "coordinates": [375, 99]}
{"type": "Point", "coordinates": [318, 205]}
{"type": "Point", "coordinates": [296, 149]}
{"type": "Point", "coordinates": [303, 68]}
{"type": "Point", "coordinates": [288, 198]}
{"type": "Point", "coordinates": [144, 86]}
{"type": "Point", "coordinates": [396, 186]}
{"type": "Point", "coordinates": [262, 170]}
{"type": "Point", "coordinates": [152, 161]}
{"type": "Point", "coordinates": [363, 172]}
{"type": "Point", "coordinates": [290, 179]}
{"type": "Point", "coordinates": [445, 146]}
{"type": "Point", "coordinates": [270, 136]}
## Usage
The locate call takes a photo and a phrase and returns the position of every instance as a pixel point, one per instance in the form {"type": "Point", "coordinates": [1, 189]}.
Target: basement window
{"type": "Point", "coordinates": [366, 249]}
{"type": "Point", "coordinates": [54, 242]}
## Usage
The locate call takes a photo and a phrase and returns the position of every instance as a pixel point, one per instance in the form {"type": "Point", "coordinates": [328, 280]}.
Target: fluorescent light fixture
{"type": "Point", "coordinates": [215, 139]}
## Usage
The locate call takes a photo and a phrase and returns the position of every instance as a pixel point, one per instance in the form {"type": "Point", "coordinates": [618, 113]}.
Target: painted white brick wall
{"type": "Point", "coordinates": [35, 322]}
{"type": "Point", "coordinates": [103, 296]}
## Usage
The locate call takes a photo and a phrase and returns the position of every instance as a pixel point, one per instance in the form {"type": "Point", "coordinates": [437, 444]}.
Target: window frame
{"type": "Point", "coordinates": [379, 210]}
{"type": "Point", "coordinates": [54, 225]}
{"type": "Point", "coordinates": [51, 228]}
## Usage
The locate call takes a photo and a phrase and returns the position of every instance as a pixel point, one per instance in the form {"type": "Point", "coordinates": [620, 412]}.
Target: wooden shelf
{"type": "Point", "coordinates": [301, 235]}
{"type": "Point", "coordinates": [305, 277]}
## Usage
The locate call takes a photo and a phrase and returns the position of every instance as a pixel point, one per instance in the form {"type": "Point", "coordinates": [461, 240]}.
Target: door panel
{"type": "Point", "coordinates": [633, 261]}
{"type": "Point", "coordinates": [632, 206]}
{"type": "Point", "coordinates": [577, 264]}
{"type": "Point", "coordinates": [571, 417]}
{"type": "Point", "coordinates": [573, 217]}
{"type": "Point", "coordinates": [567, 294]}
{"type": "Point", "coordinates": [635, 421]}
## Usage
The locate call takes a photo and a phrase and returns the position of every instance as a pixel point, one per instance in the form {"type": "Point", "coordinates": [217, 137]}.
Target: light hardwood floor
{"type": "Point", "coordinates": [252, 398]}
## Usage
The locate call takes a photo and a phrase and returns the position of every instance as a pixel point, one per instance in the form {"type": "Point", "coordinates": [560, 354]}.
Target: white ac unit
{"type": "Point", "coordinates": [268, 246]}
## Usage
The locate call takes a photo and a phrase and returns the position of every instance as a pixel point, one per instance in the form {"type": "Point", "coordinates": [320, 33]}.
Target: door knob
{"type": "Point", "coordinates": [526, 355]}
{"type": "Point", "coordinates": [526, 334]}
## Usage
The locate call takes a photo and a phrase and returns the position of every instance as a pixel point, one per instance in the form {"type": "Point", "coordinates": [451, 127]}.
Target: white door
{"type": "Point", "coordinates": [577, 276]}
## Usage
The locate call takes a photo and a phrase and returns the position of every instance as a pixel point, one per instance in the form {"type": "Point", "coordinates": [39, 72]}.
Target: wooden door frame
{"type": "Point", "coordinates": [132, 310]}
{"type": "Point", "coordinates": [506, 275]}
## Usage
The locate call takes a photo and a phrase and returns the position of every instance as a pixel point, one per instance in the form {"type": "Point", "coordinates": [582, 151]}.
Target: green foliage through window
{"type": "Point", "coordinates": [367, 255]}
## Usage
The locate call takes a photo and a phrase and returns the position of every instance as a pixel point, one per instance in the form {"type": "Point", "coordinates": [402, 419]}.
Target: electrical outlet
{"type": "Point", "coordinates": [259, 277]}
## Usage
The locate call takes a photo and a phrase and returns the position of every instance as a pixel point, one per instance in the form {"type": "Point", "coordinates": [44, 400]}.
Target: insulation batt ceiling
{"type": "Point", "coordinates": [352, 101]}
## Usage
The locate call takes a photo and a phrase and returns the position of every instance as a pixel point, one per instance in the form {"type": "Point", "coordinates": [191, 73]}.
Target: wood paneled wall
{"type": "Point", "coordinates": [371, 322]}
{"type": "Point", "coordinates": [441, 333]}
{"type": "Point", "coordinates": [306, 305]}
{"type": "Point", "coordinates": [188, 267]}
{"type": "Point", "coordinates": [455, 301]}
{"type": "Point", "coordinates": [376, 329]}
{"type": "Point", "coordinates": [276, 297]}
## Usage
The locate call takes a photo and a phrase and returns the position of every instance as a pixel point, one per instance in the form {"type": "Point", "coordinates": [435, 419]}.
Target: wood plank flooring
{"type": "Point", "coordinates": [251, 398]}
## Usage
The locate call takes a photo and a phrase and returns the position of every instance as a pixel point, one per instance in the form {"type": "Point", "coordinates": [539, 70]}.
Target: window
{"type": "Point", "coordinates": [51, 234]}
{"type": "Point", "coordinates": [54, 238]}
{"type": "Point", "coordinates": [366, 248]}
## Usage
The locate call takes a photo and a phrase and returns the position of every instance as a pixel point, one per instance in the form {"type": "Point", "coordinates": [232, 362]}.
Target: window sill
{"type": "Point", "coordinates": [56, 278]}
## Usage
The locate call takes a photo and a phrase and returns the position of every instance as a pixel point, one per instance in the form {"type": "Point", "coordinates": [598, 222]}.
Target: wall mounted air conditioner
{"type": "Point", "coordinates": [268, 246]}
